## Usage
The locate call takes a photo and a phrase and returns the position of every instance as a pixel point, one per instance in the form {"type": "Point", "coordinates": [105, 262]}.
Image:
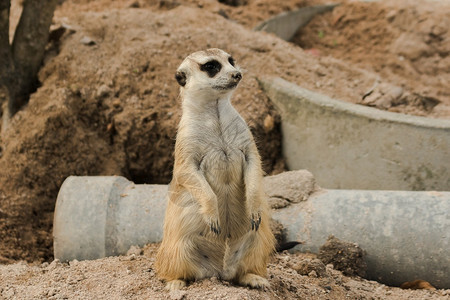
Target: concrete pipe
{"type": "Point", "coordinates": [104, 216]}
{"type": "Point", "coordinates": [406, 234]}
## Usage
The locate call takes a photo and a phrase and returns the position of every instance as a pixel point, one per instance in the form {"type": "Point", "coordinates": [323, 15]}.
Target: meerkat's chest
{"type": "Point", "coordinates": [223, 162]}
{"type": "Point", "coordinates": [223, 153]}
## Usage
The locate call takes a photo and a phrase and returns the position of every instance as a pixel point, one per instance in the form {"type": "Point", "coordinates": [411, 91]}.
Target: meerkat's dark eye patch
{"type": "Point", "coordinates": [211, 68]}
{"type": "Point", "coordinates": [231, 61]}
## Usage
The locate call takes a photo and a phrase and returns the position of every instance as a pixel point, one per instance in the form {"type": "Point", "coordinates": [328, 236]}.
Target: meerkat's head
{"type": "Point", "coordinates": [210, 73]}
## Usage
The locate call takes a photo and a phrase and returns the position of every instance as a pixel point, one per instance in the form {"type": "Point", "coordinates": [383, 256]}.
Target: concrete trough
{"type": "Point", "coordinates": [286, 24]}
{"type": "Point", "coordinates": [349, 146]}
{"type": "Point", "coordinates": [406, 234]}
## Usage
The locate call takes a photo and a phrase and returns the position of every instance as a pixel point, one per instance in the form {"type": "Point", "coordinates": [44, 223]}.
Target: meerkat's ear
{"type": "Point", "coordinates": [180, 76]}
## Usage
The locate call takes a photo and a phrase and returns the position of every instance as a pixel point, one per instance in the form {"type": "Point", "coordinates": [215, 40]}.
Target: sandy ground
{"type": "Point", "coordinates": [292, 276]}
{"type": "Point", "coordinates": [108, 105]}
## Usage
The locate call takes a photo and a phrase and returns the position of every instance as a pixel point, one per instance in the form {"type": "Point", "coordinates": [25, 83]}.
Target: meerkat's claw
{"type": "Point", "coordinates": [215, 227]}
{"type": "Point", "coordinates": [255, 221]}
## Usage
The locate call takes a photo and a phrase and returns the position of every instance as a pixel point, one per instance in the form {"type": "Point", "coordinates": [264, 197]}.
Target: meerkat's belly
{"type": "Point", "coordinates": [223, 168]}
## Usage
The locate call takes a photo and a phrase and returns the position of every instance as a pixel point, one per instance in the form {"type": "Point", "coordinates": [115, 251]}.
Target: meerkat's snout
{"type": "Point", "coordinates": [234, 79]}
{"type": "Point", "coordinates": [236, 76]}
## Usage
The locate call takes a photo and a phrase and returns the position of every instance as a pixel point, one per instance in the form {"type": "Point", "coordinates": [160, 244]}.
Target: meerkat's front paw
{"type": "Point", "coordinates": [255, 220]}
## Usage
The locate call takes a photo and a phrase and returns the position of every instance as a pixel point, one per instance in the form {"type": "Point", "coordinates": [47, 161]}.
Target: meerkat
{"type": "Point", "coordinates": [217, 217]}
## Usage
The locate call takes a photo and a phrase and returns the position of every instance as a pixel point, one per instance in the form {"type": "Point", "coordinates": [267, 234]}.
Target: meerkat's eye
{"type": "Point", "coordinates": [231, 61]}
{"type": "Point", "coordinates": [212, 67]}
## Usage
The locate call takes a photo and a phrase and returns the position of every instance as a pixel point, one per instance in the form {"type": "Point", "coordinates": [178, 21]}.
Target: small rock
{"type": "Point", "coordinates": [269, 123]}
{"type": "Point", "coordinates": [312, 274]}
{"type": "Point", "coordinates": [73, 262]}
{"type": "Point", "coordinates": [390, 16]}
{"type": "Point", "coordinates": [134, 250]}
{"type": "Point", "coordinates": [423, 102]}
{"type": "Point", "coordinates": [223, 13]}
{"type": "Point", "coordinates": [177, 295]}
{"type": "Point", "coordinates": [54, 264]}
{"type": "Point", "coordinates": [383, 96]}
{"type": "Point", "coordinates": [277, 202]}
{"type": "Point", "coordinates": [410, 45]}
{"type": "Point", "coordinates": [418, 285]}
{"type": "Point", "coordinates": [116, 103]}
{"type": "Point", "coordinates": [103, 91]}
{"type": "Point", "coordinates": [87, 41]}
{"type": "Point", "coordinates": [293, 186]}
{"type": "Point", "coordinates": [307, 266]}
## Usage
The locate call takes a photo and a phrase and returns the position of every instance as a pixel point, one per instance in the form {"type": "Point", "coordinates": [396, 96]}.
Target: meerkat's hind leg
{"type": "Point", "coordinates": [247, 257]}
{"type": "Point", "coordinates": [234, 254]}
{"type": "Point", "coordinates": [176, 284]}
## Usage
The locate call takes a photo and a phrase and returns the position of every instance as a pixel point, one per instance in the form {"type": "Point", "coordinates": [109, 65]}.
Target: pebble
{"type": "Point", "coordinates": [103, 91]}
{"type": "Point", "coordinates": [116, 103]}
{"type": "Point", "coordinates": [312, 274]}
{"type": "Point", "coordinates": [73, 262]}
{"type": "Point", "coordinates": [134, 250]}
{"type": "Point", "coordinates": [269, 123]}
{"type": "Point", "coordinates": [55, 263]}
{"type": "Point", "coordinates": [87, 41]}
{"type": "Point", "coordinates": [177, 294]}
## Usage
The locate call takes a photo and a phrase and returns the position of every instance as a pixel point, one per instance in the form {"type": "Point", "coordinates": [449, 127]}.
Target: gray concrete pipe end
{"type": "Point", "coordinates": [104, 216]}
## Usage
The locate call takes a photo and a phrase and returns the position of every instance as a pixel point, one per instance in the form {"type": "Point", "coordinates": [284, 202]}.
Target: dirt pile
{"type": "Point", "coordinates": [406, 43]}
{"type": "Point", "coordinates": [344, 256]}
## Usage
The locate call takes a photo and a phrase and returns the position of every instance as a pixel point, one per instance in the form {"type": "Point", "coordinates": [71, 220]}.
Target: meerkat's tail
{"type": "Point", "coordinates": [286, 246]}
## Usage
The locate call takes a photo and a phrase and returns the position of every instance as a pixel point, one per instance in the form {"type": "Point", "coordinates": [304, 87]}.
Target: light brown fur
{"type": "Point", "coordinates": [217, 218]}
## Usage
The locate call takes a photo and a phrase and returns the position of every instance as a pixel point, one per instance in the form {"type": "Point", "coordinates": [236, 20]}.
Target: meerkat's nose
{"type": "Point", "coordinates": [237, 76]}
